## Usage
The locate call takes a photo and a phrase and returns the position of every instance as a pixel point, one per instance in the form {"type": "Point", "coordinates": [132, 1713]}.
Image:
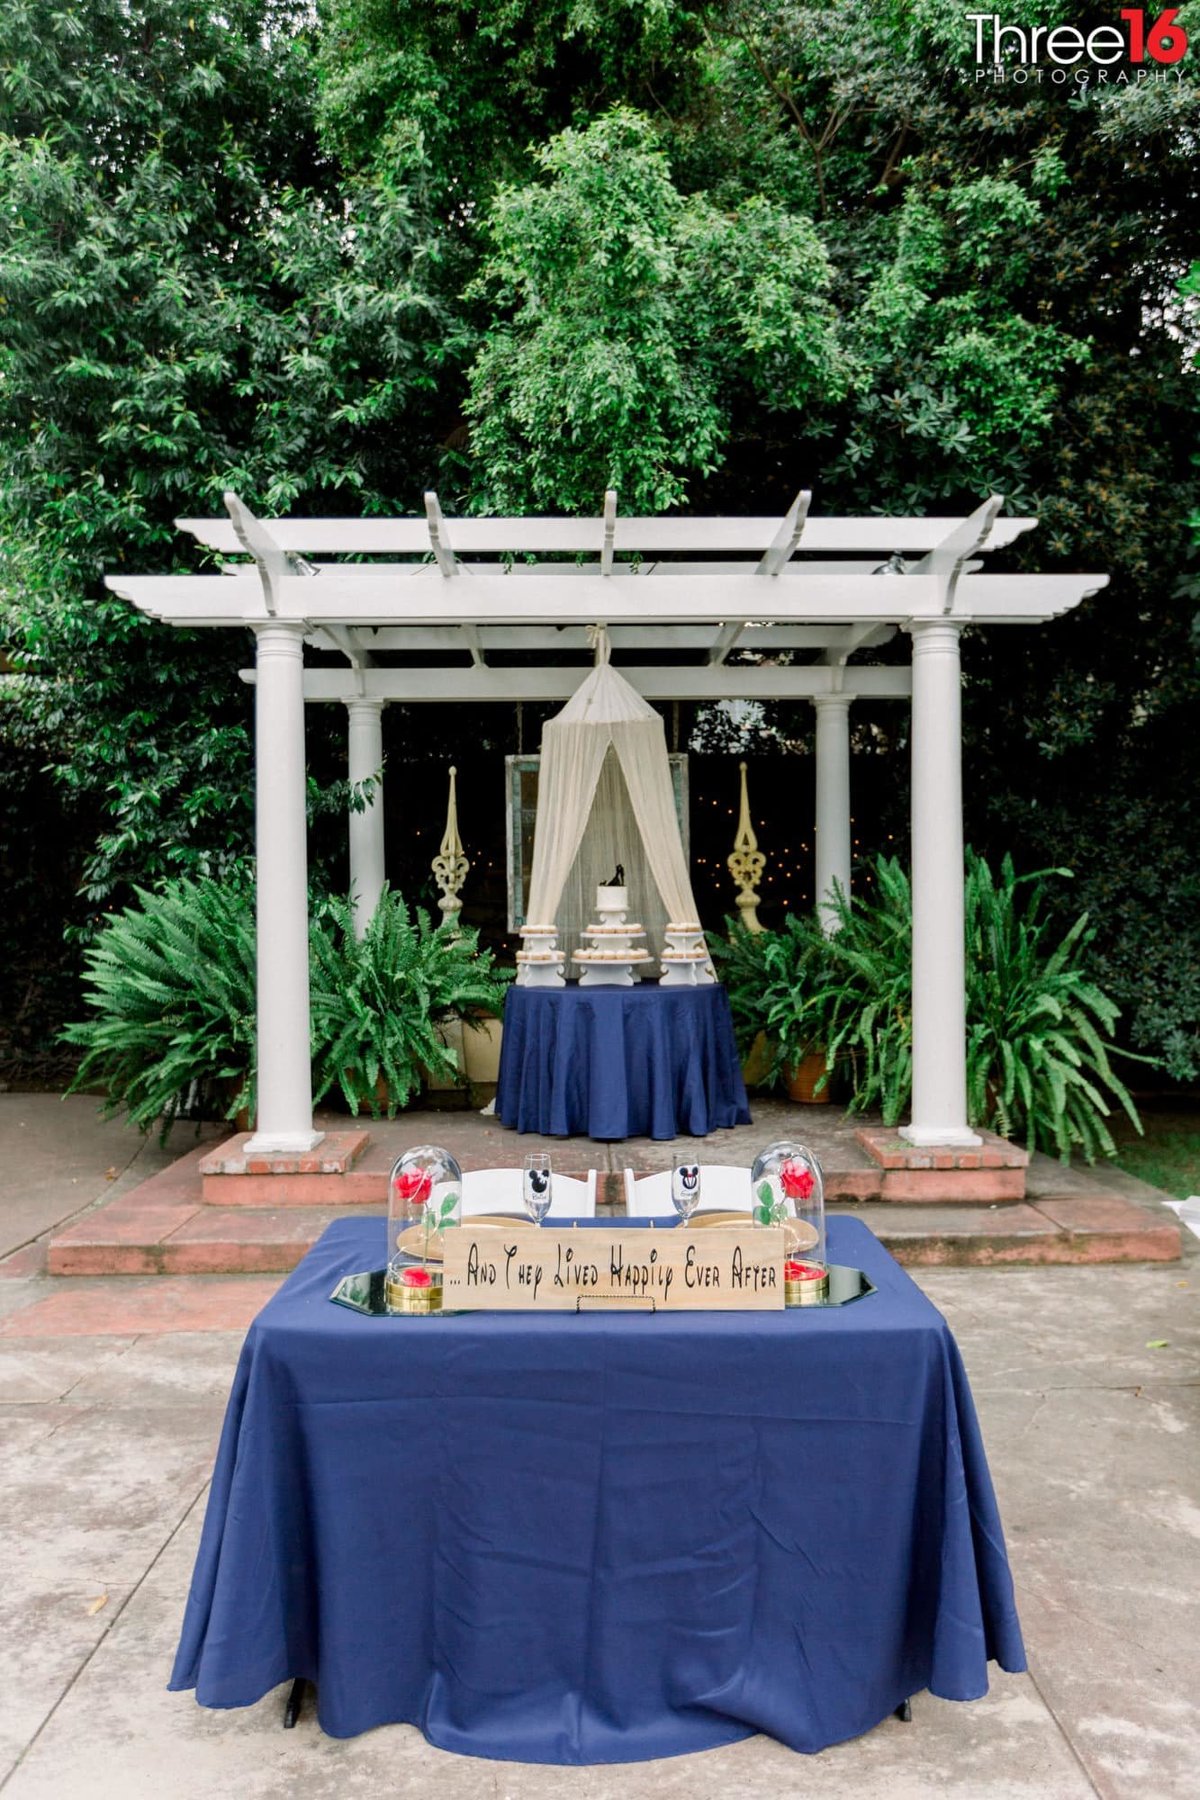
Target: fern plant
{"type": "Point", "coordinates": [1038, 1028]}
{"type": "Point", "coordinates": [770, 978]}
{"type": "Point", "coordinates": [171, 985]}
{"type": "Point", "coordinates": [377, 1001]}
{"type": "Point", "coordinates": [860, 1001]}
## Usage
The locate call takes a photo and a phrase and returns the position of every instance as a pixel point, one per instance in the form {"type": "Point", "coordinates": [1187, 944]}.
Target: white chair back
{"type": "Point", "coordinates": [720, 1186]}
{"type": "Point", "coordinates": [502, 1190]}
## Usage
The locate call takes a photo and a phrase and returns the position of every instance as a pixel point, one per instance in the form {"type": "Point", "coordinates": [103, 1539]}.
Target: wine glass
{"type": "Point", "coordinates": [536, 1186]}
{"type": "Point", "coordinates": [685, 1189]}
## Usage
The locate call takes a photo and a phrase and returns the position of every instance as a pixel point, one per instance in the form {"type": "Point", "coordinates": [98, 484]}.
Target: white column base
{"type": "Point", "coordinates": [282, 1143]}
{"type": "Point", "coordinates": [946, 1137]}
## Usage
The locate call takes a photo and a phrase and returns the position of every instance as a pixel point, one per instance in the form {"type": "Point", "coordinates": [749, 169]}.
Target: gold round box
{"type": "Point", "coordinates": [413, 1300]}
{"type": "Point", "coordinates": [806, 1292]}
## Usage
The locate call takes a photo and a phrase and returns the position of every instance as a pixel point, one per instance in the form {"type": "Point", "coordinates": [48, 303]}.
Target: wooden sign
{"type": "Point", "coordinates": [532, 1268]}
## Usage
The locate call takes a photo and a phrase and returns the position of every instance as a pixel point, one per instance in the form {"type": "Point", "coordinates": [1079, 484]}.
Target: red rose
{"type": "Point", "coordinates": [795, 1180]}
{"type": "Point", "coordinates": [414, 1186]}
{"type": "Point", "coordinates": [418, 1278]}
{"type": "Point", "coordinates": [798, 1271]}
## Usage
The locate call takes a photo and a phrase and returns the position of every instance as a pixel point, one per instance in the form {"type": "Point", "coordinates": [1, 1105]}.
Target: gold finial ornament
{"type": "Point", "coordinates": [450, 865]}
{"type": "Point", "coordinates": [747, 862]}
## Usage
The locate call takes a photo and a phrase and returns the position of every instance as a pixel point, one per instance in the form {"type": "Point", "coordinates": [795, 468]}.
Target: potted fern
{"type": "Point", "coordinates": [769, 976]}
{"type": "Point", "coordinates": [381, 1003]}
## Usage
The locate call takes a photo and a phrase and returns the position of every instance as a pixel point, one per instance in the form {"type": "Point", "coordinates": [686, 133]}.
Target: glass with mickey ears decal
{"type": "Point", "coordinates": [424, 1201]}
{"type": "Point", "coordinates": [685, 1190]}
{"type": "Point", "coordinates": [537, 1185]}
{"type": "Point", "coordinates": [788, 1190]}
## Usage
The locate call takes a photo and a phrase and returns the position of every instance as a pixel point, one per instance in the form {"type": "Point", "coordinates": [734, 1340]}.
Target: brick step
{"type": "Point", "coordinates": [366, 1185]}
{"type": "Point", "coordinates": [132, 1236]}
{"type": "Point", "coordinates": [365, 1182]}
{"type": "Point", "coordinates": [125, 1239]}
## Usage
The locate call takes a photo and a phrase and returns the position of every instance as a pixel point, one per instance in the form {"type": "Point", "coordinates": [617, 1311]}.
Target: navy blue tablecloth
{"type": "Point", "coordinates": [599, 1538]}
{"type": "Point", "coordinates": [610, 1062]}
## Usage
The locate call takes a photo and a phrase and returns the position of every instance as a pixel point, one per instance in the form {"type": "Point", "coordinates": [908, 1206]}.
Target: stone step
{"type": "Point", "coordinates": [133, 1235]}
{"type": "Point", "coordinates": [860, 1163]}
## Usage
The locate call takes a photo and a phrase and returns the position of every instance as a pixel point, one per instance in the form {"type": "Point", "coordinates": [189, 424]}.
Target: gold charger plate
{"type": "Point", "coordinates": [802, 1235]}
{"type": "Point", "coordinates": [412, 1239]}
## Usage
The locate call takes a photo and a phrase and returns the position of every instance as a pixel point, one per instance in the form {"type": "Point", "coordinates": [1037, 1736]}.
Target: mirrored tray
{"type": "Point", "coordinates": [364, 1293]}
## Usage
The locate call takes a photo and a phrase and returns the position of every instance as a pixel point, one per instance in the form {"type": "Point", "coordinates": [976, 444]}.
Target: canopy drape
{"type": "Point", "coordinates": [605, 796]}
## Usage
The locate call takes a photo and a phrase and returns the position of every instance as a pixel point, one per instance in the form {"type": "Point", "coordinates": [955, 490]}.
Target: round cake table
{"type": "Point", "coordinates": [610, 1062]}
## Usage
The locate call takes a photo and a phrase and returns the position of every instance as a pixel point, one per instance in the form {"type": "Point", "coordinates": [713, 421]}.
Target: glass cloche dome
{"type": "Point", "coordinates": [789, 1191]}
{"type": "Point", "coordinates": [424, 1199]}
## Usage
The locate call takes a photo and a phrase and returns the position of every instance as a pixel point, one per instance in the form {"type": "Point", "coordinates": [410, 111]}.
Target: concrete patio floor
{"type": "Point", "coordinates": [107, 1435]}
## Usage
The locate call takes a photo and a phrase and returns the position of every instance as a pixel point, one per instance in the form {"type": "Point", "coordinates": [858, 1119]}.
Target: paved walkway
{"type": "Point", "coordinates": [107, 1438]}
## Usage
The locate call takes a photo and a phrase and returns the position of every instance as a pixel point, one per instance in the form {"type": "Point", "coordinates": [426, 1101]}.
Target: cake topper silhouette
{"type": "Point", "coordinates": [617, 880]}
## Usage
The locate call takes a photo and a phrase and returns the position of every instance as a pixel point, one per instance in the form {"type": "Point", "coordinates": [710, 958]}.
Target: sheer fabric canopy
{"type": "Point", "coordinates": [605, 797]}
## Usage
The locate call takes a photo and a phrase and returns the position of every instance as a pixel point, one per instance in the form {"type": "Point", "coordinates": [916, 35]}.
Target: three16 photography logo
{"type": "Point", "coordinates": [1144, 46]}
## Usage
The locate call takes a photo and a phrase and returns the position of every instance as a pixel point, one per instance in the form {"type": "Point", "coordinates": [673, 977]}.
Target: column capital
{"type": "Point", "coordinates": [364, 705]}
{"type": "Point", "coordinates": [279, 637]}
{"type": "Point", "coordinates": [929, 636]}
{"type": "Point", "coordinates": [828, 702]}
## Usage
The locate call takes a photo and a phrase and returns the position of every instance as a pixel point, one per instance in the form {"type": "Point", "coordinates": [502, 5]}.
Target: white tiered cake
{"type": "Point", "coordinates": [614, 953]}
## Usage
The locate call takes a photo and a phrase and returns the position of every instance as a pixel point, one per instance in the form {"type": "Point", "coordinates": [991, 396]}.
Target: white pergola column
{"type": "Point", "coordinates": [832, 835]}
{"type": "Point", "coordinates": [285, 1122]}
{"type": "Point", "coordinates": [939, 1102]}
{"type": "Point", "coordinates": [365, 758]}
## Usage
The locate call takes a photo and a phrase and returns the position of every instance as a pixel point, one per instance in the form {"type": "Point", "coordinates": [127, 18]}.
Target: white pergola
{"type": "Point", "coordinates": [469, 609]}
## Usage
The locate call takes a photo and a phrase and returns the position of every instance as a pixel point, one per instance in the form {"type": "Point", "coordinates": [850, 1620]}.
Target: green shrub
{"type": "Point", "coordinates": [377, 1001]}
{"type": "Point", "coordinates": [170, 982]}
{"type": "Point", "coordinates": [171, 987]}
{"type": "Point", "coordinates": [1038, 1028]}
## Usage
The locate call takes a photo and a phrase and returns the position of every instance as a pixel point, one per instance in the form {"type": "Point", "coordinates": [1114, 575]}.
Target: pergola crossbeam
{"type": "Point", "coordinates": [418, 598]}
{"type": "Point", "coordinates": [842, 647]}
{"type": "Point", "coordinates": [869, 535]}
{"type": "Point", "coordinates": [786, 541]}
{"type": "Point", "coordinates": [727, 639]}
{"type": "Point", "coordinates": [439, 542]}
{"type": "Point", "coordinates": [610, 531]}
{"type": "Point", "coordinates": [756, 637]}
{"type": "Point", "coordinates": [698, 682]}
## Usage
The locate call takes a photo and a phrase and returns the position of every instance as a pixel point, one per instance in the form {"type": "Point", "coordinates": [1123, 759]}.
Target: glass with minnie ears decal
{"type": "Point", "coordinates": [788, 1191]}
{"type": "Point", "coordinates": [537, 1188]}
{"type": "Point", "coordinates": [685, 1190]}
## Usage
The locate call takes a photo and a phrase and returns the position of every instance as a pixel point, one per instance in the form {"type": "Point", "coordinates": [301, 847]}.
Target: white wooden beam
{"type": "Point", "coordinates": [533, 638]}
{"type": "Point", "coordinates": [610, 531]}
{"type": "Point", "coordinates": [947, 560]}
{"type": "Point", "coordinates": [474, 644]}
{"type": "Point", "coordinates": [417, 596]}
{"type": "Point", "coordinates": [270, 558]}
{"type": "Point", "coordinates": [439, 543]}
{"type": "Point", "coordinates": [727, 638]}
{"type": "Point", "coordinates": [871, 535]}
{"type": "Point", "coordinates": [347, 640]}
{"type": "Point", "coordinates": [698, 683]}
{"type": "Point", "coordinates": [783, 545]}
{"type": "Point", "coordinates": [854, 637]}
